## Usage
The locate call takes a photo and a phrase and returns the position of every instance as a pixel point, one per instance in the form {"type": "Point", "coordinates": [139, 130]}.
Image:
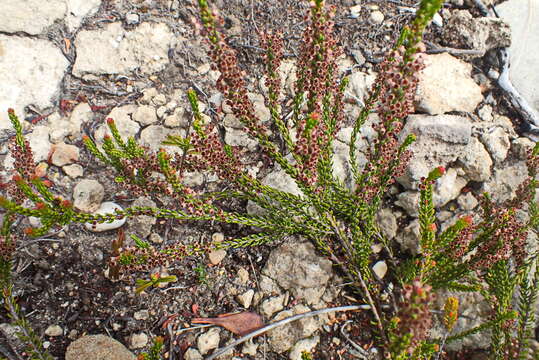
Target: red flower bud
{"type": "Point", "coordinates": [110, 121]}
{"type": "Point", "coordinates": [11, 111]}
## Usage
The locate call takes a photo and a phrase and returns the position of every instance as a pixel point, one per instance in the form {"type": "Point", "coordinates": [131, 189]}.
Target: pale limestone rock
{"type": "Point", "coordinates": [31, 71]}
{"type": "Point", "coordinates": [97, 347]}
{"type": "Point", "coordinates": [121, 52]}
{"type": "Point", "coordinates": [30, 16]}
{"type": "Point", "coordinates": [446, 85]}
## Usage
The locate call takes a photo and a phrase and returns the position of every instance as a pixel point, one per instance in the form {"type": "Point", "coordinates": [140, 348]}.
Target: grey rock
{"type": "Point", "coordinates": [161, 99]}
{"type": "Point", "coordinates": [261, 112]}
{"type": "Point", "coordinates": [523, 18]}
{"type": "Point", "coordinates": [30, 16]}
{"type": "Point", "coordinates": [476, 161]}
{"type": "Point", "coordinates": [283, 338]}
{"type": "Point", "coordinates": [268, 285]}
{"type": "Point", "coordinates": [441, 140]}
{"type": "Point", "coordinates": [521, 146]}
{"type": "Point", "coordinates": [31, 70]}
{"type": "Point", "coordinates": [121, 52]}
{"type": "Point", "coordinates": [108, 207]}
{"type": "Point", "coordinates": [87, 195]}
{"type": "Point", "coordinates": [341, 161]}
{"type": "Point", "coordinates": [445, 85]}
{"type": "Point", "coordinates": [97, 347]}
{"type": "Point", "coordinates": [505, 181]}
{"type": "Point", "coordinates": [485, 113]}
{"type": "Point", "coordinates": [77, 10]}
{"type": "Point", "coordinates": [387, 221]}
{"type": "Point", "coordinates": [141, 225]}
{"type": "Point", "coordinates": [161, 111]}
{"type": "Point", "coordinates": [236, 137]}
{"type": "Point", "coordinates": [306, 345]}
{"type": "Point", "coordinates": [208, 340]}
{"type": "Point", "coordinates": [297, 268]}
{"type": "Point", "coordinates": [355, 11]}
{"type": "Point", "coordinates": [145, 115]}
{"type": "Point", "coordinates": [408, 238]}
{"type": "Point", "coordinates": [481, 33]}
{"type": "Point", "coordinates": [447, 188]}
{"type": "Point", "coordinates": [467, 201]}
{"type": "Point", "coordinates": [409, 201]}
{"type": "Point", "coordinates": [497, 143]}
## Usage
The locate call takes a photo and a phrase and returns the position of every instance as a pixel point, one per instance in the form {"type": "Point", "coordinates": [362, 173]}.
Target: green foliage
{"type": "Point", "coordinates": [485, 253]}
{"type": "Point", "coordinates": [202, 274]}
{"type": "Point", "coordinates": [155, 280]}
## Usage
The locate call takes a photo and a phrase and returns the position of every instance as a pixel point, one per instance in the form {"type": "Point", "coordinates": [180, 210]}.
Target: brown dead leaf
{"type": "Point", "coordinates": [240, 324]}
{"type": "Point", "coordinates": [67, 44]}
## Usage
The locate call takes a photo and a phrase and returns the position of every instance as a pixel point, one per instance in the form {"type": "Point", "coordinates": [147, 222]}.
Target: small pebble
{"type": "Point", "coordinates": [107, 207]}
{"type": "Point", "coordinates": [138, 341]}
{"type": "Point", "coordinates": [141, 315]}
{"type": "Point", "coordinates": [380, 269]}
{"type": "Point", "coordinates": [377, 17]}
{"type": "Point", "coordinates": [246, 298]}
{"type": "Point", "coordinates": [355, 11]}
{"type": "Point", "coordinates": [73, 171]}
{"type": "Point", "coordinates": [132, 19]}
{"type": "Point", "coordinates": [208, 340]}
{"type": "Point", "coordinates": [216, 256]}
{"type": "Point", "coordinates": [54, 330]}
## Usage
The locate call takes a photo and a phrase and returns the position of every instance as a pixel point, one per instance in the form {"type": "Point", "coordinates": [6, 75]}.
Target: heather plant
{"type": "Point", "coordinates": [485, 254]}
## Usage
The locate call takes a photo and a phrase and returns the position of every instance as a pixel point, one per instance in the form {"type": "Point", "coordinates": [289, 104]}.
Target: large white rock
{"type": "Point", "coordinates": [523, 18]}
{"type": "Point", "coordinates": [30, 16]}
{"type": "Point", "coordinates": [77, 10]}
{"type": "Point", "coordinates": [446, 85]}
{"type": "Point", "coordinates": [30, 73]}
{"type": "Point", "coordinates": [113, 50]}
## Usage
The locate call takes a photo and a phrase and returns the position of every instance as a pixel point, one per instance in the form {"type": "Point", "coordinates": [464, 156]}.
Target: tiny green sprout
{"type": "Point", "coordinates": [202, 274]}
{"type": "Point", "coordinates": [139, 243]}
{"type": "Point", "coordinates": [155, 280]}
{"type": "Point", "coordinates": [305, 355]}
